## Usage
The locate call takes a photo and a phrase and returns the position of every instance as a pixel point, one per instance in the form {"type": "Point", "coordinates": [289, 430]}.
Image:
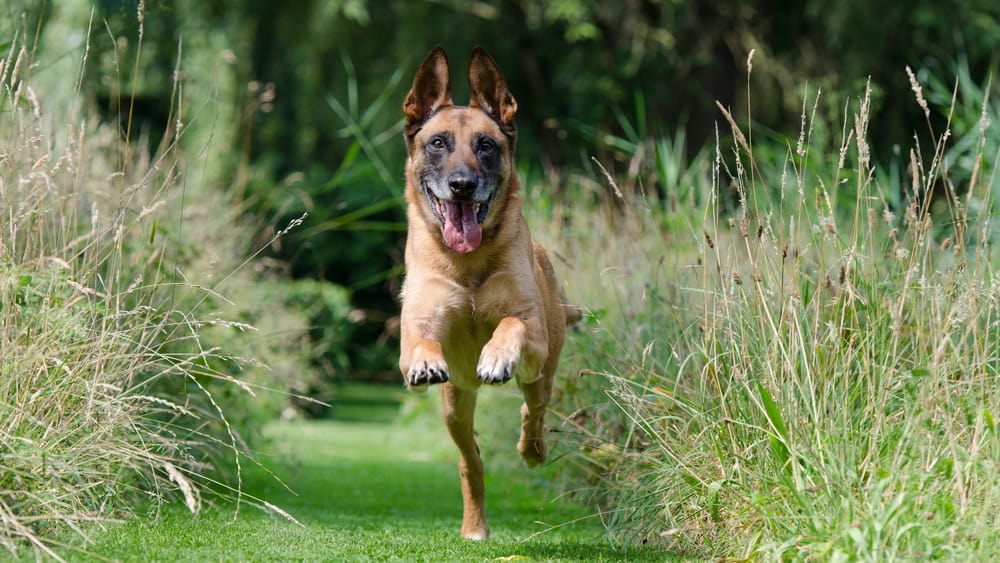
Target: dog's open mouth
{"type": "Point", "coordinates": [461, 222]}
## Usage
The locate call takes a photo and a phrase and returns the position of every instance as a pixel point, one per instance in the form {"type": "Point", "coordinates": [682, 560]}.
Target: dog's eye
{"type": "Point", "coordinates": [487, 146]}
{"type": "Point", "coordinates": [437, 143]}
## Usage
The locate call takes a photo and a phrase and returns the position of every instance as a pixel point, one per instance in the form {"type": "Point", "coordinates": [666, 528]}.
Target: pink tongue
{"type": "Point", "coordinates": [461, 231]}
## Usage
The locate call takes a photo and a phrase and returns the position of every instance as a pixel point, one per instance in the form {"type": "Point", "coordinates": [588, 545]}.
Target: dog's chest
{"type": "Point", "coordinates": [470, 330]}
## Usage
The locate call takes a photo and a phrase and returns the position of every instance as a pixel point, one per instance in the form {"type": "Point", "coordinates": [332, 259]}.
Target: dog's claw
{"type": "Point", "coordinates": [495, 372]}
{"type": "Point", "coordinates": [428, 374]}
{"type": "Point", "coordinates": [438, 376]}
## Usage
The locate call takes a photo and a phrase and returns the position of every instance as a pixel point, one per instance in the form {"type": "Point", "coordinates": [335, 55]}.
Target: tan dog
{"type": "Point", "coordinates": [480, 303]}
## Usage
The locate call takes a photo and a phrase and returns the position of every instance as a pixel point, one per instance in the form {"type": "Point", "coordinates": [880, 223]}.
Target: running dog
{"type": "Point", "coordinates": [480, 302]}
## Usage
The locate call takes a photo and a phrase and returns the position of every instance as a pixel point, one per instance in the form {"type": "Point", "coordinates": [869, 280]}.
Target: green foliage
{"type": "Point", "coordinates": [127, 373]}
{"type": "Point", "coordinates": [974, 150]}
{"type": "Point", "coordinates": [804, 375]}
{"type": "Point", "coordinates": [307, 114]}
{"type": "Point", "coordinates": [789, 346]}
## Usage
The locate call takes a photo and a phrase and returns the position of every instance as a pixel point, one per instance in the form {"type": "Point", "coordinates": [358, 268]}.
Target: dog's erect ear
{"type": "Point", "coordinates": [431, 90]}
{"type": "Point", "coordinates": [488, 90]}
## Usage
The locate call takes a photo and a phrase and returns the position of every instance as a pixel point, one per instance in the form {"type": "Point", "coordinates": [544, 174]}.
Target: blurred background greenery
{"type": "Point", "coordinates": [305, 113]}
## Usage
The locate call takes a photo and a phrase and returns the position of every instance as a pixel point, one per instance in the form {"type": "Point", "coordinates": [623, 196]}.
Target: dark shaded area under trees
{"type": "Point", "coordinates": [318, 86]}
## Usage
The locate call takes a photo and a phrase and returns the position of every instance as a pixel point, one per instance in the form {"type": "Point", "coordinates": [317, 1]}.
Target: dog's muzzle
{"type": "Point", "coordinates": [461, 221]}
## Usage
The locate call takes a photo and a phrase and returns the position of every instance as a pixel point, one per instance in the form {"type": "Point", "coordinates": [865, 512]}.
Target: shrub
{"type": "Point", "coordinates": [127, 375]}
{"type": "Point", "coordinates": [814, 375]}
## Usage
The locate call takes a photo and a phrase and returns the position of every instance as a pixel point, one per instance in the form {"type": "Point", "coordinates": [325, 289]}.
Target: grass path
{"type": "Point", "coordinates": [367, 490]}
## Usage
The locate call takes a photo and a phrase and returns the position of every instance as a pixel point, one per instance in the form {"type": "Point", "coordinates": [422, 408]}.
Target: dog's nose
{"type": "Point", "coordinates": [463, 184]}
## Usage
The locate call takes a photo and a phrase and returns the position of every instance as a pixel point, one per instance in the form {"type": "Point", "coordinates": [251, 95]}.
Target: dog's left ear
{"type": "Point", "coordinates": [488, 90]}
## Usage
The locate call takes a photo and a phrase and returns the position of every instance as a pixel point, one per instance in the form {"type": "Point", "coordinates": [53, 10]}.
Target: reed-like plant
{"type": "Point", "coordinates": [814, 375]}
{"type": "Point", "coordinates": [126, 374]}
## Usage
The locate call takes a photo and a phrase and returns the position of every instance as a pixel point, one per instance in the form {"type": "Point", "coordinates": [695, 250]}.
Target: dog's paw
{"type": "Point", "coordinates": [531, 445]}
{"type": "Point", "coordinates": [496, 367]}
{"type": "Point", "coordinates": [533, 450]}
{"type": "Point", "coordinates": [423, 373]}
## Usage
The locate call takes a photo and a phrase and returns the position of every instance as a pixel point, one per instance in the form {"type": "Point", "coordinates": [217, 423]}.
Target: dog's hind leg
{"type": "Point", "coordinates": [459, 410]}
{"type": "Point", "coordinates": [532, 446]}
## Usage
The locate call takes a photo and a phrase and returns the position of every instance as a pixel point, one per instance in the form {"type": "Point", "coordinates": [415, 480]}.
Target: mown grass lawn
{"type": "Point", "coordinates": [367, 490]}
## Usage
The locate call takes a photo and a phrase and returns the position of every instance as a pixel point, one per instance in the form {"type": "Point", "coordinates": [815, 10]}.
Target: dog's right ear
{"type": "Point", "coordinates": [431, 91]}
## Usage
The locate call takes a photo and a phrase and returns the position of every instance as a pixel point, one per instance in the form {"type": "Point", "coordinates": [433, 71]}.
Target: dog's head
{"type": "Point", "coordinates": [460, 158]}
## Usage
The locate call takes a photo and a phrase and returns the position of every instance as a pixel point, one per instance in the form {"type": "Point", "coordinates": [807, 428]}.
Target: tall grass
{"type": "Point", "coordinates": [813, 374]}
{"type": "Point", "coordinates": [125, 372]}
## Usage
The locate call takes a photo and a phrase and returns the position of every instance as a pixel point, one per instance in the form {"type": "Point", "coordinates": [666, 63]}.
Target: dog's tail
{"type": "Point", "coordinates": [573, 313]}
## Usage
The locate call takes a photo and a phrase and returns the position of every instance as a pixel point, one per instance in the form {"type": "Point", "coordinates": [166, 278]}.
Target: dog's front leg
{"type": "Point", "coordinates": [423, 364]}
{"type": "Point", "coordinates": [513, 340]}
{"type": "Point", "coordinates": [423, 323]}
